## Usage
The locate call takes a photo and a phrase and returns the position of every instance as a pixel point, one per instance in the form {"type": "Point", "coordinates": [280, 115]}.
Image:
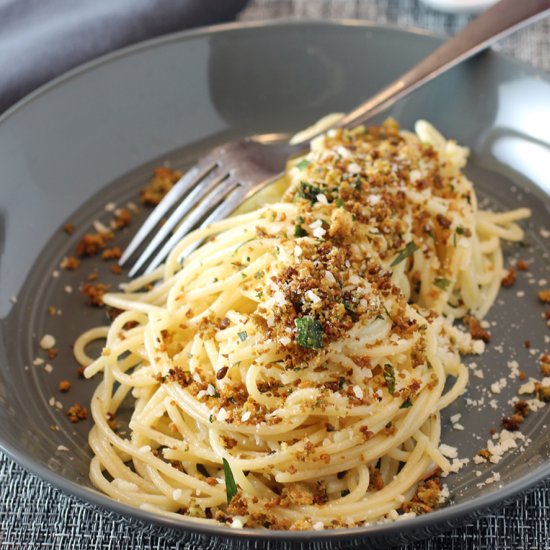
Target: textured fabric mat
{"type": "Point", "coordinates": [35, 515]}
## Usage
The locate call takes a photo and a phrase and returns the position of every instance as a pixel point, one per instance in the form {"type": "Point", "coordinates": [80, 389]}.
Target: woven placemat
{"type": "Point", "coordinates": [35, 515]}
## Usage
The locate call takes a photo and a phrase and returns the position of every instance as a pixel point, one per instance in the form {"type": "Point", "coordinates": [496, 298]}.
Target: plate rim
{"type": "Point", "coordinates": [90, 496]}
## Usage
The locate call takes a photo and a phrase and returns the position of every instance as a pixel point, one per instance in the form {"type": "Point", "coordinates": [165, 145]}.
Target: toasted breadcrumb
{"type": "Point", "coordinates": [476, 330]}
{"type": "Point", "coordinates": [70, 263]}
{"type": "Point", "coordinates": [163, 180]}
{"type": "Point", "coordinates": [522, 265]}
{"type": "Point", "coordinates": [93, 243]}
{"type": "Point", "coordinates": [77, 412]}
{"type": "Point", "coordinates": [509, 279]}
{"type": "Point", "coordinates": [112, 253]}
{"type": "Point", "coordinates": [95, 293]}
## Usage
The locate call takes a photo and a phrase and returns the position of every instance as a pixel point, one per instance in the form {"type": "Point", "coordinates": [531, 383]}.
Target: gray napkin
{"type": "Point", "coordinates": [40, 39]}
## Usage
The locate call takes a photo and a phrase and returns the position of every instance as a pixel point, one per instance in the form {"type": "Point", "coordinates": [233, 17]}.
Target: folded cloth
{"type": "Point", "coordinates": [40, 39]}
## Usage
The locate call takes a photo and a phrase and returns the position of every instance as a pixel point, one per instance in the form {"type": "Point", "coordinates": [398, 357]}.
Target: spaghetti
{"type": "Point", "coordinates": [290, 372]}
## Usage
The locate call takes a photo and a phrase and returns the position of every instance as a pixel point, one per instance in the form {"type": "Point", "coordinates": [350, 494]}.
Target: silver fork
{"type": "Point", "coordinates": [231, 173]}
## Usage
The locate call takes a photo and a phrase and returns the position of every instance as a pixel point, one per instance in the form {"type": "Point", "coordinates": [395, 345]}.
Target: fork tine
{"type": "Point", "coordinates": [201, 190]}
{"type": "Point", "coordinates": [221, 211]}
{"type": "Point", "coordinates": [180, 188]}
{"type": "Point", "coordinates": [191, 221]}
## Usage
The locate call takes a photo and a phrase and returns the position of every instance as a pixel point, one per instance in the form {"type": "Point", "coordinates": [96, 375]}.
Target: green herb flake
{"type": "Point", "coordinates": [341, 382]}
{"type": "Point", "coordinates": [458, 231]}
{"type": "Point", "coordinates": [389, 377]}
{"type": "Point", "coordinates": [202, 470]}
{"type": "Point", "coordinates": [309, 332]}
{"type": "Point", "coordinates": [344, 493]}
{"type": "Point", "coordinates": [303, 164]}
{"type": "Point", "coordinates": [409, 250]}
{"type": "Point", "coordinates": [242, 335]}
{"type": "Point", "coordinates": [308, 191]}
{"type": "Point", "coordinates": [443, 284]}
{"type": "Point", "coordinates": [230, 485]}
{"type": "Point", "coordinates": [242, 244]}
{"type": "Point", "coordinates": [259, 274]}
{"type": "Point", "coordinates": [406, 404]}
{"type": "Point", "coordinates": [339, 202]}
{"type": "Point", "coordinates": [299, 231]}
{"type": "Point", "coordinates": [350, 311]}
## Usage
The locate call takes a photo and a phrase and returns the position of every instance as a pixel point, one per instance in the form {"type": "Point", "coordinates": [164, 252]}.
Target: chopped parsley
{"type": "Point", "coordinates": [339, 202]}
{"type": "Point", "coordinates": [202, 470]}
{"type": "Point", "coordinates": [308, 191]}
{"type": "Point", "coordinates": [242, 244]}
{"type": "Point", "coordinates": [309, 332]}
{"type": "Point", "coordinates": [350, 311]}
{"type": "Point", "coordinates": [389, 377]}
{"type": "Point", "coordinates": [230, 485]}
{"type": "Point", "coordinates": [303, 164]}
{"type": "Point", "coordinates": [458, 231]}
{"type": "Point", "coordinates": [409, 249]}
{"type": "Point", "coordinates": [443, 284]}
{"type": "Point", "coordinates": [242, 335]}
{"type": "Point", "coordinates": [299, 231]}
{"type": "Point", "coordinates": [406, 404]}
{"type": "Point", "coordinates": [344, 493]}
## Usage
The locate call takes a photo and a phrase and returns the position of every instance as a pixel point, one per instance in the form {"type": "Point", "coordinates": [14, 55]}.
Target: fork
{"type": "Point", "coordinates": [231, 173]}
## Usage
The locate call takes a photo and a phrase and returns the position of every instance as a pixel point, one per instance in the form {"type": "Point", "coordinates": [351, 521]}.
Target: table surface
{"type": "Point", "coordinates": [35, 515]}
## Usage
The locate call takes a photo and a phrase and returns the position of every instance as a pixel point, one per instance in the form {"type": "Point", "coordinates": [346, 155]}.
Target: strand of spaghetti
{"type": "Point", "coordinates": [305, 342]}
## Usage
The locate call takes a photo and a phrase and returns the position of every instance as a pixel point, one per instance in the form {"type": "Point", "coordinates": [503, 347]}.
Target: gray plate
{"type": "Point", "coordinates": [93, 136]}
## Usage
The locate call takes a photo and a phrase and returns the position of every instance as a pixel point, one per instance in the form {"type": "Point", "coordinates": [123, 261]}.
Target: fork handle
{"type": "Point", "coordinates": [503, 18]}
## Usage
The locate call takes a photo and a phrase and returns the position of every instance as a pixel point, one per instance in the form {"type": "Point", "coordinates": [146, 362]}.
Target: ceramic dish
{"type": "Point", "coordinates": [93, 136]}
